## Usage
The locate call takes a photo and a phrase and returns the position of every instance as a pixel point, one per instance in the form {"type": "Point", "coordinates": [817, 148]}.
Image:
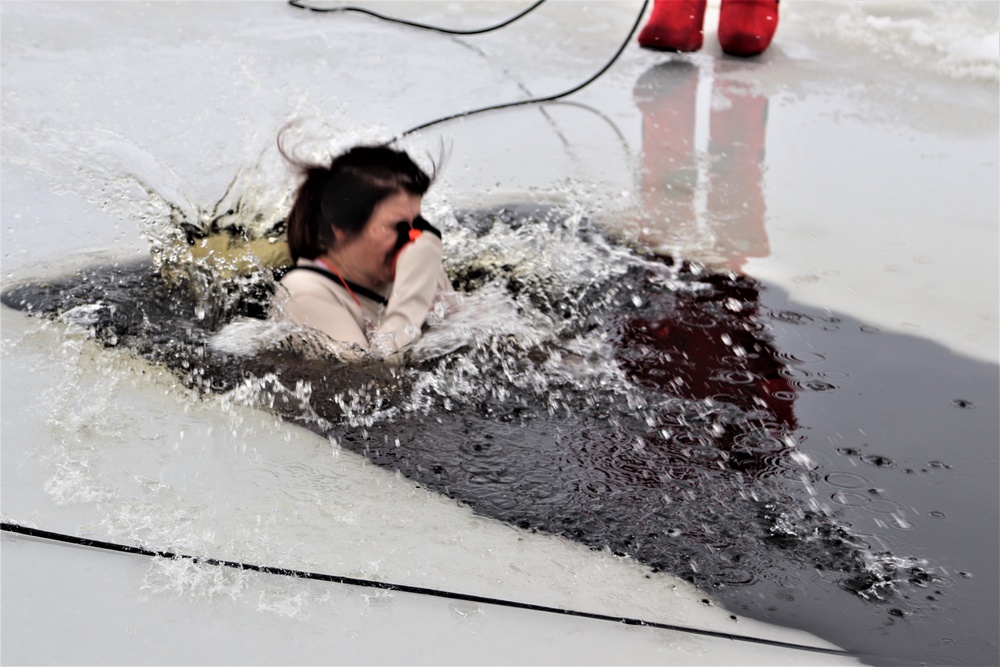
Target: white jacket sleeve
{"type": "Point", "coordinates": [418, 278]}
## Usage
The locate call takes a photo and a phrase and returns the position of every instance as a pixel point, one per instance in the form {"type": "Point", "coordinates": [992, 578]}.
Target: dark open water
{"type": "Point", "coordinates": [802, 466]}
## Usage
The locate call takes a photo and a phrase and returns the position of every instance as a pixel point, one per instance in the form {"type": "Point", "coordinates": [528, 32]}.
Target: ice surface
{"type": "Point", "coordinates": [877, 195]}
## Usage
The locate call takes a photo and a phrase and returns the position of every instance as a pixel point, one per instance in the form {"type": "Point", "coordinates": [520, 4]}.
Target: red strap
{"type": "Point", "coordinates": [342, 281]}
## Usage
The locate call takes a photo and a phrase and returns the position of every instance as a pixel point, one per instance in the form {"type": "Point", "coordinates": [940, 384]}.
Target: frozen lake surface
{"type": "Point", "coordinates": [850, 174]}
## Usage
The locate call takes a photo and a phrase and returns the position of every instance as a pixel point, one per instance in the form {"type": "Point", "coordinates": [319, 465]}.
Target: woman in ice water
{"type": "Point", "coordinates": [367, 266]}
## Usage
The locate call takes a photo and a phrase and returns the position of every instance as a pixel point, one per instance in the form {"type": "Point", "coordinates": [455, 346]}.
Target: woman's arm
{"type": "Point", "coordinates": [418, 271]}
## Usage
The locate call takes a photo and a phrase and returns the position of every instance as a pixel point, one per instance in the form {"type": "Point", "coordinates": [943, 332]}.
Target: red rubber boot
{"type": "Point", "coordinates": [674, 25]}
{"type": "Point", "coordinates": [746, 27]}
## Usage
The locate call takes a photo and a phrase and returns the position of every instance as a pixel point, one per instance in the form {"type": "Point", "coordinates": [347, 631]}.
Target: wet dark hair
{"type": "Point", "coordinates": [344, 194]}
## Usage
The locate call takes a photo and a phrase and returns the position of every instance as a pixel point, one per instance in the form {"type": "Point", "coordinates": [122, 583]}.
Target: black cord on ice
{"type": "Point", "coordinates": [401, 588]}
{"type": "Point", "coordinates": [447, 31]}
{"type": "Point", "coordinates": [537, 100]}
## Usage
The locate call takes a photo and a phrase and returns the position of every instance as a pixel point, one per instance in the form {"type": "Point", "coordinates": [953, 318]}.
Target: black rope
{"type": "Point", "coordinates": [401, 588]}
{"type": "Point", "coordinates": [448, 31]}
{"type": "Point", "coordinates": [536, 100]}
{"type": "Point", "coordinates": [423, 26]}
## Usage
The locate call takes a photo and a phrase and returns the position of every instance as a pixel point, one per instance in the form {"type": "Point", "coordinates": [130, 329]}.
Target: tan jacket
{"type": "Point", "coordinates": [316, 301]}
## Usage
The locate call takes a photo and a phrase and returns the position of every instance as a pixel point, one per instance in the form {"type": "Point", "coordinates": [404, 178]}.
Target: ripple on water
{"type": "Point", "coordinates": [705, 454]}
{"type": "Point", "coordinates": [850, 499]}
{"type": "Point", "coordinates": [885, 506]}
{"type": "Point", "coordinates": [735, 576]}
{"type": "Point", "coordinates": [737, 377]}
{"type": "Point", "coordinates": [761, 442]}
{"type": "Point", "coordinates": [792, 317]}
{"type": "Point", "coordinates": [484, 472]}
{"type": "Point", "coordinates": [948, 651]}
{"type": "Point", "coordinates": [802, 358]}
{"type": "Point", "coordinates": [846, 480]}
{"type": "Point", "coordinates": [699, 319]}
{"type": "Point", "coordinates": [813, 385]}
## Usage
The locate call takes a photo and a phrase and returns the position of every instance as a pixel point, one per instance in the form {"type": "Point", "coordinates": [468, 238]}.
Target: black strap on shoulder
{"type": "Point", "coordinates": [354, 287]}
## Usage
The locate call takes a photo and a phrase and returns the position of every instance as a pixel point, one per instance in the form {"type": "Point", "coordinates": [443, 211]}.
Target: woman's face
{"type": "Point", "coordinates": [368, 256]}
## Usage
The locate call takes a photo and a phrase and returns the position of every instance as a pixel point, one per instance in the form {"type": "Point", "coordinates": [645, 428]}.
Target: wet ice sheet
{"type": "Point", "coordinates": [341, 626]}
{"type": "Point", "coordinates": [859, 239]}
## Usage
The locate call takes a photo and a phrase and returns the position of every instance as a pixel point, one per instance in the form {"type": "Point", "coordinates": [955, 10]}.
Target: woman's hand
{"type": "Point", "coordinates": [408, 234]}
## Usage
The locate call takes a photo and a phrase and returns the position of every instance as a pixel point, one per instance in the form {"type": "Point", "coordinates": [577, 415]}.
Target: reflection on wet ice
{"type": "Point", "coordinates": [714, 201]}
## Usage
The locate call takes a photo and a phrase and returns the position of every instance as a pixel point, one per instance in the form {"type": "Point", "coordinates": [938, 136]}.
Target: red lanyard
{"type": "Point", "coordinates": [342, 281]}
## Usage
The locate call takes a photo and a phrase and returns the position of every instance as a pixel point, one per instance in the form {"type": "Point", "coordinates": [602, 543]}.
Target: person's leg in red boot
{"type": "Point", "coordinates": [674, 25]}
{"type": "Point", "coordinates": [746, 27]}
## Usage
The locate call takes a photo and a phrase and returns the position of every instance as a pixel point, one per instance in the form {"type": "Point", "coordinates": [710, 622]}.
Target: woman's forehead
{"type": "Point", "coordinates": [399, 205]}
